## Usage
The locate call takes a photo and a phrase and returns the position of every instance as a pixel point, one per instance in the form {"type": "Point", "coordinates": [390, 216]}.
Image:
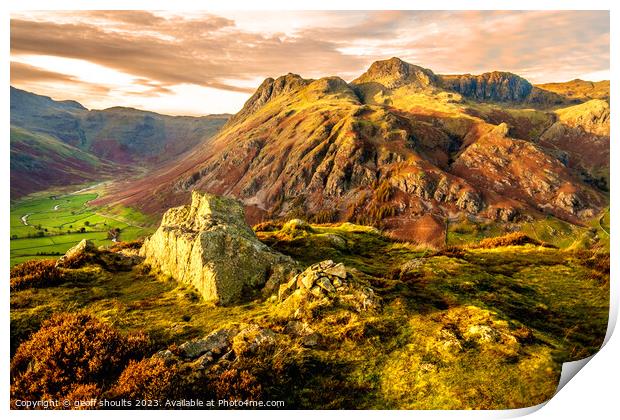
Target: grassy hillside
{"type": "Point", "coordinates": [56, 143]}
{"type": "Point", "coordinates": [39, 161]}
{"type": "Point", "coordinates": [580, 89]}
{"type": "Point", "coordinates": [121, 135]}
{"type": "Point", "coordinates": [592, 235]}
{"type": "Point", "coordinates": [484, 328]}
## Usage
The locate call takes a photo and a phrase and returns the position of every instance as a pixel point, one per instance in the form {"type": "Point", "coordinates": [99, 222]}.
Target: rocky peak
{"type": "Point", "coordinates": [495, 86]}
{"type": "Point", "coordinates": [267, 91]}
{"type": "Point", "coordinates": [395, 72]}
{"type": "Point", "coordinates": [332, 84]}
{"type": "Point", "coordinates": [208, 244]}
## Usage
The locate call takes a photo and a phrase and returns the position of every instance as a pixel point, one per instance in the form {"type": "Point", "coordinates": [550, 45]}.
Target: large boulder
{"type": "Point", "coordinates": [209, 245]}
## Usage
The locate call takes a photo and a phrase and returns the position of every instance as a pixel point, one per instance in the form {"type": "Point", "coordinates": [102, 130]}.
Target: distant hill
{"type": "Point", "coordinates": [48, 134]}
{"type": "Point", "coordinates": [39, 161]}
{"type": "Point", "coordinates": [580, 89]}
{"type": "Point", "coordinates": [400, 148]}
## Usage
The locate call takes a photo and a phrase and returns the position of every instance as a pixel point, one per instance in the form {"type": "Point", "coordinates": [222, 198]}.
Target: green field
{"type": "Point", "coordinates": [55, 223]}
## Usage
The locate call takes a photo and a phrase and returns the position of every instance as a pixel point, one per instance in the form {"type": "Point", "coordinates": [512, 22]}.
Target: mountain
{"type": "Point", "coordinates": [39, 161]}
{"type": "Point", "coordinates": [495, 86]}
{"type": "Point", "coordinates": [98, 140]}
{"type": "Point", "coordinates": [401, 148]}
{"type": "Point", "coordinates": [580, 89]}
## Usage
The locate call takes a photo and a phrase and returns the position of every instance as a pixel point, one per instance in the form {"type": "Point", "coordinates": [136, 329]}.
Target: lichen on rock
{"type": "Point", "coordinates": [209, 245]}
{"type": "Point", "coordinates": [323, 284]}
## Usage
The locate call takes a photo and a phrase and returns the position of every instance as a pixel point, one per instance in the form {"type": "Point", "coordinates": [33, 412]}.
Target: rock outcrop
{"type": "Point", "coordinates": [494, 86]}
{"type": "Point", "coordinates": [267, 91]}
{"type": "Point", "coordinates": [323, 284]}
{"type": "Point", "coordinates": [592, 117]}
{"type": "Point", "coordinates": [86, 252]}
{"type": "Point", "coordinates": [208, 244]}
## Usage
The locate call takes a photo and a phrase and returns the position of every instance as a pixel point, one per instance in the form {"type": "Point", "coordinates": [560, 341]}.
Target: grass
{"type": "Point", "coordinates": [457, 329]}
{"type": "Point", "coordinates": [57, 221]}
{"type": "Point", "coordinates": [550, 230]}
{"type": "Point", "coordinates": [550, 294]}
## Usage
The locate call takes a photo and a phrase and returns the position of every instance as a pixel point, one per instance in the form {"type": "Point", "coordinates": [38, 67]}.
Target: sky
{"type": "Point", "coordinates": [198, 63]}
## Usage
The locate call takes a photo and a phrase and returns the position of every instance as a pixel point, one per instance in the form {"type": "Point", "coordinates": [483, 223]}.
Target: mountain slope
{"type": "Point", "coordinates": [39, 161]}
{"type": "Point", "coordinates": [395, 148]}
{"type": "Point", "coordinates": [122, 135]}
{"type": "Point", "coordinates": [116, 135]}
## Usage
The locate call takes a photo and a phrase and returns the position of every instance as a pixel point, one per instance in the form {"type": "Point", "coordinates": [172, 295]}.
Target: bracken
{"type": "Point", "coordinates": [70, 351]}
{"type": "Point", "coordinates": [35, 273]}
{"type": "Point", "coordinates": [149, 379]}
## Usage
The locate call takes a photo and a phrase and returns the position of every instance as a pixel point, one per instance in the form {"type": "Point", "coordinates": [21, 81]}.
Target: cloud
{"type": "Point", "coordinates": [23, 73]}
{"type": "Point", "coordinates": [228, 50]}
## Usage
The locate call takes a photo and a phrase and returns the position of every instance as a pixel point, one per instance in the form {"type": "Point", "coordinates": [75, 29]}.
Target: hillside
{"type": "Point", "coordinates": [331, 316]}
{"type": "Point", "coordinates": [40, 161]}
{"type": "Point", "coordinates": [400, 148]}
{"type": "Point", "coordinates": [580, 89]}
{"type": "Point", "coordinates": [103, 142]}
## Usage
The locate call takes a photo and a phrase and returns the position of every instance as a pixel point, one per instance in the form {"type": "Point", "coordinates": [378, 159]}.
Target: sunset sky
{"type": "Point", "coordinates": [199, 63]}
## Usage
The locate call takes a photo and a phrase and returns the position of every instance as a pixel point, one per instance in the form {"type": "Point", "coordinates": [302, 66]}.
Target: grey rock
{"type": "Point", "coordinates": [326, 285]}
{"type": "Point", "coordinates": [337, 270]}
{"type": "Point", "coordinates": [209, 245]}
{"type": "Point", "coordinates": [215, 343]}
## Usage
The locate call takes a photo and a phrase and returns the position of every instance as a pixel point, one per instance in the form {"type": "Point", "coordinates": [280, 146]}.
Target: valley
{"type": "Point", "coordinates": [59, 143]}
{"type": "Point", "coordinates": [47, 224]}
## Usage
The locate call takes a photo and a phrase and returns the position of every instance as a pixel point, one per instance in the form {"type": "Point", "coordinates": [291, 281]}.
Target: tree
{"type": "Point", "coordinates": [114, 233]}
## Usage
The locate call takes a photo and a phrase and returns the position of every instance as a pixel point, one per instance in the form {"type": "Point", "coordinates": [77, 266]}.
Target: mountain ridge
{"type": "Point", "coordinates": [113, 140]}
{"type": "Point", "coordinates": [406, 158]}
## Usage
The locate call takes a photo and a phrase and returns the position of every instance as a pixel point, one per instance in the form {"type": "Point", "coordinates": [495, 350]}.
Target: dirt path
{"type": "Point", "coordinates": [25, 219]}
{"type": "Point", "coordinates": [87, 188]}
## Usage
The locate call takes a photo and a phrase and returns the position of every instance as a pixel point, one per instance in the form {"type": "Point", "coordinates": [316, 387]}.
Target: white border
{"type": "Point", "coordinates": [592, 394]}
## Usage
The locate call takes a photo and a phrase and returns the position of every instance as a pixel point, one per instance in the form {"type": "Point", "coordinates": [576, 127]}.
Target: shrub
{"type": "Point", "coordinates": [451, 252]}
{"type": "Point", "coordinates": [70, 350]}
{"type": "Point", "coordinates": [512, 239]}
{"type": "Point", "coordinates": [325, 216]}
{"type": "Point", "coordinates": [384, 192]}
{"type": "Point", "coordinates": [85, 393]}
{"type": "Point", "coordinates": [598, 263]}
{"type": "Point", "coordinates": [118, 246]}
{"type": "Point", "coordinates": [374, 214]}
{"type": "Point", "coordinates": [268, 226]}
{"type": "Point", "coordinates": [149, 379]}
{"type": "Point", "coordinates": [35, 273]}
{"type": "Point", "coordinates": [235, 384]}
